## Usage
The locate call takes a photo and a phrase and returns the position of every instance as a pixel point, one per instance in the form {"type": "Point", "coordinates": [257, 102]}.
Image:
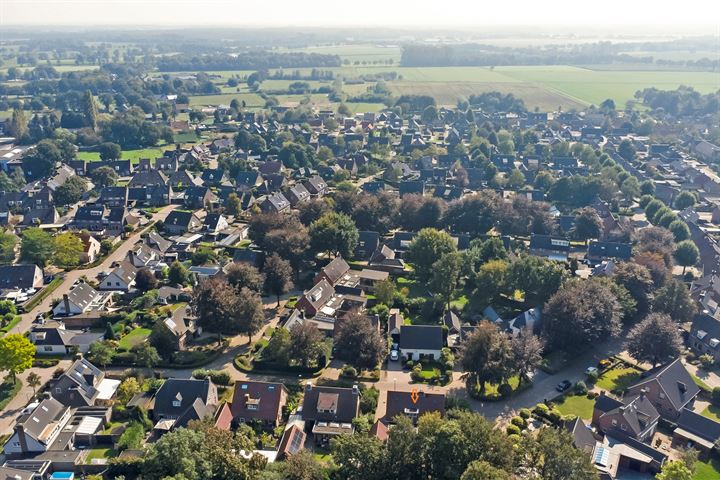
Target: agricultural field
{"type": "Point", "coordinates": [358, 53]}
{"type": "Point", "coordinates": [251, 99]}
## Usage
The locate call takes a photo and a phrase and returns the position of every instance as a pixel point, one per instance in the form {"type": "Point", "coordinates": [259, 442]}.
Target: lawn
{"type": "Point", "coordinates": [578, 405]}
{"type": "Point", "coordinates": [712, 412]}
{"type": "Point", "coordinates": [413, 286]}
{"type": "Point", "coordinates": [8, 390]}
{"type": "Point", "coordinates": [617, 379]}
{"type": "Point", "coordinates": [10, 325]}
{"type": "Point", "coordinates": [100, 453]}
{"type": "Point", "coordinates": [133, 155]}
{"type": "Point", "coordinates": [133, 338]}
{"type": "Point", "coordinates": [709, 470]}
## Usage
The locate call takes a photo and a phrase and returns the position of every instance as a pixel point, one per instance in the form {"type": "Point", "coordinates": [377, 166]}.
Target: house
{"type": "Point", "coordinates": [582, 436]}
{"type": "Point", "coordinates": [147, 178]}
{"type": "Point", "coordinates": [83, 385]}
{"type": "Point", "coordinates": [212, 177]}
{"type": "Point", "coordinates": [421, 341]}
{"type": "Point", "coordinates": [20, 277]}
{"type": "Point", "coordinates": [329, 411]}
{"type": "Point", "coordinates": [292, 442]}
{"type": "Point", "coordinates": [39, 429]}
{"type": "Point", "coordinates": [56, 340]}
{"type": "Point", "coordinates": [368, 242]}
{"type": "Point", "coordinates": [669, 388]}
{"type": "Point", "coordinates": [316, 186]}
{"type": "Point", "coordinates": [271, 167]}
{"type": "Point", "coordinates": [275, 203]}
{"type": "Point", "coordinates": [394, 322]}
{"type": "Point", "coordinates": [333, 272]}
{"type": "Point", "coordinates": [40, 216]}
{"type": "Point", "coordinates": [179, 222]}
{"type": "Point", "coordinates": [122, 278]}
{"type": "Point", "coordinates": [258, 401]}
{"type": "Point", "coordinates": [634, 416]}
{"type": "Point", "coordinates": [452, 321]}
{"type": "Point", "coordinates": [297, 194]}
{"type": "Point", "coordinates": [248, 180]}
{"type": "Point", "coordinates": [414, 187]}
{"type": "Point", "coordinates": [598, 251]}
{"type": "Point", "coordinates": [704, 338]}
{"type": "Point", "coordinates": [79, 300]}
{"type": "Point", "coordinates": [215, 223]}
{"type": "Point", "coordinates": [181, 179]}
{"type": "Point", "coordinates": [314, 299]}
{"type": "Point", "coordinates": [90, 217]}
{"type": "Point", "coordinates": [696, 431]}
{"type": "Point", "coordinates": [151, 195]}
{"type": "Point", "coordinates": [528, 320]}
{"type": "Point", "coordinates": [401, 403]}
{"type": "Point", "coordinates": [549, 246]}
{"type": "Point", "coordinates": [369, 278]}
{"type": "Point", "coordinates": [114, 196]}
{"type": "Point", "coordinates": [180, 327]}
{"type": "Point", "coordinates": [91, 248]}
{"type": "Point", "coordinates": [180, 400]}
{"type": "Point", "coordinates": [199, 197]}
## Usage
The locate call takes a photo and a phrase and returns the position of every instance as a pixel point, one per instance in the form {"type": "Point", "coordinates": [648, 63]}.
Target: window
{"type": "Point", "coordinates": [58, 390]}
{"type": "Point", "coordinates": [252, 407]}
{"type": "Point", "coordinates": [614, 423]}
{"type": "Point", "coordinates": [177, 403]}
{"type": "Point", "coordinates": [623, 427]}
{"type": "Point", "coordinates": [661, 395]}
{"type": "Point", "coordinates": [47, 349]}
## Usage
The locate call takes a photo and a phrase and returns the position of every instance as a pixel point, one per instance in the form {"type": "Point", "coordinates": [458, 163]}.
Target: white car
{"type": "Point", "coordinates": [591, 371]}
{"type": "Point", "coordinates": [394, 356]}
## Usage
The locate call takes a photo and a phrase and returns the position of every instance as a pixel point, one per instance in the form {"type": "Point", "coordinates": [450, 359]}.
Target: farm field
{"type": "Point", "coordinates": [133, 155]}
{"type": "Point", "coordinates": [251, 99]}
{"type": "Point", "coordinates": [358, 53]}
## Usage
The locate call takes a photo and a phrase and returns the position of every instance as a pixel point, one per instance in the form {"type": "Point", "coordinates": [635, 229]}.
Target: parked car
{"type": "Point", "coordinates": [564, 385]}
{"type": "Point", "coordinates": [394, 355]}
{"type": "Point", "coordinates": [593, 371]}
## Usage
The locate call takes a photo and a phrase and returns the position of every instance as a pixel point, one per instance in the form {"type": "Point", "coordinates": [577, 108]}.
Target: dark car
{"type": "Point", "coordinates": [564, 385]}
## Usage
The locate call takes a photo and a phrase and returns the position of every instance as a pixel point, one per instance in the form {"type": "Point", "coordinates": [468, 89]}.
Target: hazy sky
{"type": "Point", "coordinates": [601, 13]}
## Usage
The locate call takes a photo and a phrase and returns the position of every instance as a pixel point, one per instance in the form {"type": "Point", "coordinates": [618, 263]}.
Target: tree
{"type": "Point", "coordinates": [40, 161]}
{"type": "Point", "coordinates": [163, 339]}
{"type": "Point", "coordinates": [358, 457]}
{"type": "Point", "coordinates": [538, 278]}
{"type": "Point", "coordinates": [233, 205]}
{"type": "Point", "coordinates": [679, 230]}
{"type": "Point", "coordinates": [485, 355]}
{"type": "Point", "coordinates": [684, 200]}
{"type": "Point", "coordinates": [303, 466]}
{"type": "Point", "coordinates": [312, 210]}
{"type": "Point", "coordinates": [178, 274]}
{"type": "Point", "coordinates": [145, 280]}
{"type": "Point", "coordinates": [109, 151]}
{"type": "Point", "coordinates": [647, 187]}
{"type": "Point", "coordinates": [428, 246]}
{"type": "Point", "coordinates": [241, 275]}
{"type": "Point", "coordinates": [474, 214]}
{"type": "Point", "coordinates": [8, 242]}
{"type": "Point", "coordinates": [674, 470]}
{"type": "Point", "coordinates": [37, 246]}
{"type": "Point", "coordinates": [630, 187]}
{"type": "Point", "coordinates": [385, 292]}
{"type": "Point", "coordinates": [358, 342]}
{"type": "Point", "coordinates": [527, 351]}
{"type": "Point", "coordinates": [446, 275]}
{"type": "Point", "coordinates": [109, 332]}
{"type": "Point", "coordinates": [334, 233]}
{"type": "Point", "coordinates": [638, 282]}
{"type": "Point", "coordinates": [655, 339]}
{"type": "Point", "coordinates": [147, 355]}
{"type": "Point", "coordinates": [587, 224]}
{"type": "Point", "coordinates": [278, 348]}
{"type": "Point", "coordinates": [553, 455]}
{"type": "Point", "coordinates": [18, 126]}
{"type": "Point", "coordinates": [652, 208]}
{"type": "Point", "coordinates": [482, 470]}
{"type": "Point", "coordinates": [104, 177]}
{"type": "Point", "coordinates": [34, 381]}
{"type": "Point", "coordinates": [68, 249]}
{"type": "Point", "coordinates": [516, 179]}
{"type": "Point", "coordinates": [674, 299]}
{"type": "Point", "coordinates": [307, 343]}
{"type": "Point", "coordinates": [16, 354]}
{"type": "Point", "coordinates": [579, 314]}
{"type": "Point", "coordinates": [626, 150]}
{"type": "Point", "coordinates": [278, 276]}
{"type": "Point", "coordinates": [127, 390]}
{"type": "Point", "coordinates": [213, 304]}
{"type": "Point", "coordinates": [90, 110]}
{"type": "Point", "coordinates": [101, 353]}
{"type": "Point", "coordinates": [686, 254]}
{"type": "Point", "coordinates": [246, 312]}
{"type": "Point", "coordinates": [416, 212]}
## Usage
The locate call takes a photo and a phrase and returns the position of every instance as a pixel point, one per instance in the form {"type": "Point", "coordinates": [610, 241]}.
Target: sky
{"type": "Point", "coordinates": [702, 16]}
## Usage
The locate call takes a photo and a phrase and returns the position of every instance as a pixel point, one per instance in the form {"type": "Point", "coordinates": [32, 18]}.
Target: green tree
{"type": "Point", "coordinates": [536, 277]}
{"type": "Point", "coordinates": [278, 276]}
{"type": "Point", "coordinates": [358, 342]}
{"type": "Point", "coordinates": [127, 390]}
{"type": "Point", "coordinates": [686, 254]}
{"type": "Point", "coordinates": [101, 353]}
{"type": "Point", "coordinates": [485, 355]}
{"type": "Point", "coordinates": [516, 179]}
{"type": "Point", "coordinates": [213, 304]}
{"type": "Point", "coordinates": [553, 455]}
{"type": "Point", "coordinates": [674, 299]}
{"type": "Point", "coordinates": [674, 470]}
{"type": "Point", "coordinates": [71, 191]}
{"type": "Point", "coordinates": [241, 275]}
{"type": "Point", "coordinates": [163, 339]}
{"type": "Point", "coordinates": [647, 187]}
{"type": "Point", "coordinates": [684, 200]}
{"type": "Point", "coordinates": [18, 126]}
{"type": "Point", "coordinates": [679, 230]}
{"type": "Point", "coordinates": [90, 110]}
{"type": "Point", "coordinates": [626, 150]}
{"type": "Point", "coordinates": [587, 224]}
{"type": "Point", "coordinates": [630, 187]}
{"type": "Point", "coordinates": [233, 205]}
{"type": "Point", "coordinates": [428, 246]}
{"type": "Point", "coordinates": [652, 207]}
{"type": "Point", "coordinates": [307, 343]}
{"type": "Point", "coordinates": [40, 161]}
{"type": "Point", "coordinates": [303, 466]}
{"type": "Point", "coordinates": [246, 312]}
{"type": "Point", "coordinates": [145, 280]}
{"type": "Point", "coordinates": [655, 339]}
{"type": "Point", "coordinates": [8, 242]}
{"type": "Point", "coordinates": [132, 437]}
{"type": "Point", "coordinates": [446, 275]}
{"type": "Point", "coordinates": [358, 457]}
{"type": "Point", "coordinates": [334, 233]}
{"type": "Point", "coordinates": [109, 151]}
{"type": "Point", "coordinates": [68, 249]}
{"type": "Point", "coordinates": [16, 354]}
{"type": "Point", "coordinates": [482, 470]}
{"type": "Point", "coordinates": [385, 292]}
{"type": "Point", "coordinates": [34, 381]}
{"type": "Point", "coordinates": [104, 177]}
{"type": "Point", "coordinates": [526, 355]}
{"type": "Point", "coordinates": [638, 282]}
{"type": "Point", "coordinates": [147, 355]}
{"type": "Point", "coordinates": [37, 246]}
{"type": "Point", "coordinates": [178, 274]}
{"type": "Point", "coordinates": [278, 348]}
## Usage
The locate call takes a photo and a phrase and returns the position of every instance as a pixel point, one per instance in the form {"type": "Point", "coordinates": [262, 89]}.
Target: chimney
{"type": "Point", "coordinates": [682, 387]}
{"type": "Point", "coordinates": [66, 301]}
{"type": "Point", "coordinates": [247, 397]}
{"type": "Point", "coordinates": [308, 386]}
{"type": "Point", "coordinates": [355, 390]}
{"type": "Point", "coordinates": [131, 256]}
{"type": "Point", "coordinates": [643, 392]}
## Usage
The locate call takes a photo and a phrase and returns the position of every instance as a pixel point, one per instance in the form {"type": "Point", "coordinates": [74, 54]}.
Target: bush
{"type": "Point", "coordinates": [580, 388]}
{"type": "Point", "coordinates": [348, 371]}
{"type": "Point", "coordinates": [505, 390]}
{"type": "Point", "coordinates": [707, 361]}
{"type": "Point", "coordinates": [541, 409]}
{"type": "Point", "coordinates": [416, 373]}
{"type": "Point", "coordinates": [369, 400]}
{"type": "Point", "coordinates": [690, 356]}
{"type": "Point", "coordinates": [519, 422]}
{"type": "Point", "coordinates": [525, 413]}
{"type": "Point", "coordinates": [716, 396]}
{"type": "Point", "coordinates": [554, 416]}
{"type": "Point", "coordinates": [132, 437]}
{"type": "Point", "coordinates": [218, 377]}
{"type": "Point", "coordinates": [409, 364]}
{"type": "Point", "coordinates": [512, 430]}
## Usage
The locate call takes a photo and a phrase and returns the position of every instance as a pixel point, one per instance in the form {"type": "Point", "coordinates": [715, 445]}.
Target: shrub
{"type": "Point", "coordinates": [707, 361]}
{"type": "Point", "coordinates": [541, 409]}
{"type": "Point", "coordinates": [716, 396]}
{"type": "Point", "coordinates": [512, 430]}
{"type": "Point", "coordinates": [690, 356]}
{"type": "Point", "coordinates": [348, 371]}
{"type": "Point", "coordinates": [580, 388]}
{"type": "Point", "coordinates": [519, 422]}
{"type": "Point", "coordinates": [416, 373]}
{"type": "Point", "coordinates": [410, 364]}
{"type": "Point", "coordinates": [505, 390]}
{"type": "Point", "coordinates": [525, 413]}
{"type": "Point", "coordinates": [369, 400]}
{"type": "Point", "coordinates": [218, 377]}
{"type": "Point", "coordinates": [554, 416]}
{"type": "Point", "coordinates": [132, 437]}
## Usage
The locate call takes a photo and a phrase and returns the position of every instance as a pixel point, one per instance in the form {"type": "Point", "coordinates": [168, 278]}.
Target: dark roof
{"type": "Point", "coordinates": [549, 242]}
{"type": "Point", "coordinates": [335, 269]}
{"type": "Point", "coordinates": [92, 213]}
{"type": "Point", "coordinates": [675, 381]}
{"type": "Point", "coordinates": [452, 321]}
{"type": "Point", "coordinates": [18, 276]}
{"type": "Point", "coordinates": [598, 249]}
{"type": "Point", "coordinates": [184, 390]}
{"type": "Point", "coordinates": [400, 403]}
{"type": "Point", "coordinates": [179, 218]}
{"type": "Point", "coordinates": [148, 177]}
{"type": "Point", "coordinates": [605, 404]}
{"type": "Point", "coordinates": [196, 411]}
{"type": "Point", "coordinates": [35, 422]}
{"type": "Point", "coordinates": [340, 404]}
{"type": "Point", "coordinates": [265, 397]}
{"type": "Point", "coordinates": [583, 439]}
{"type": "Point", "coordinates": [699, 425]}
{"type": "Point", "coordinates": [292, 442]}
{"type": "Point", "coordinates": [706, 328]}
{"type": "Point", "coordinates": [422, 337]}
{"type": "Point", "coordinates": [85, 376]}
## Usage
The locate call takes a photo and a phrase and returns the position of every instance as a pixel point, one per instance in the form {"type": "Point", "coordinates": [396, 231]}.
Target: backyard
{"type": "Point", "coordinates": [136, 337]}
{"type": "Point", "coordinates": [618, 379]}
{"type": "Point", "coordinates": [579, 405]}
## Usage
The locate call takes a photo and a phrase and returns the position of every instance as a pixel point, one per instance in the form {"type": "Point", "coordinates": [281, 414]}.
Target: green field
{"type": "Point", "coordinates": [358, 53]}
{"type": "Point", "coordinates": [136, 337]}
{"type": "Point", "coordinates": [251, 99]}
{"type": "Point", "coordinates": [133, 155]}
{"type": "Point", "coordinates": [709, 470]}
{"type": "Point", "coordinates": [579, 405]}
